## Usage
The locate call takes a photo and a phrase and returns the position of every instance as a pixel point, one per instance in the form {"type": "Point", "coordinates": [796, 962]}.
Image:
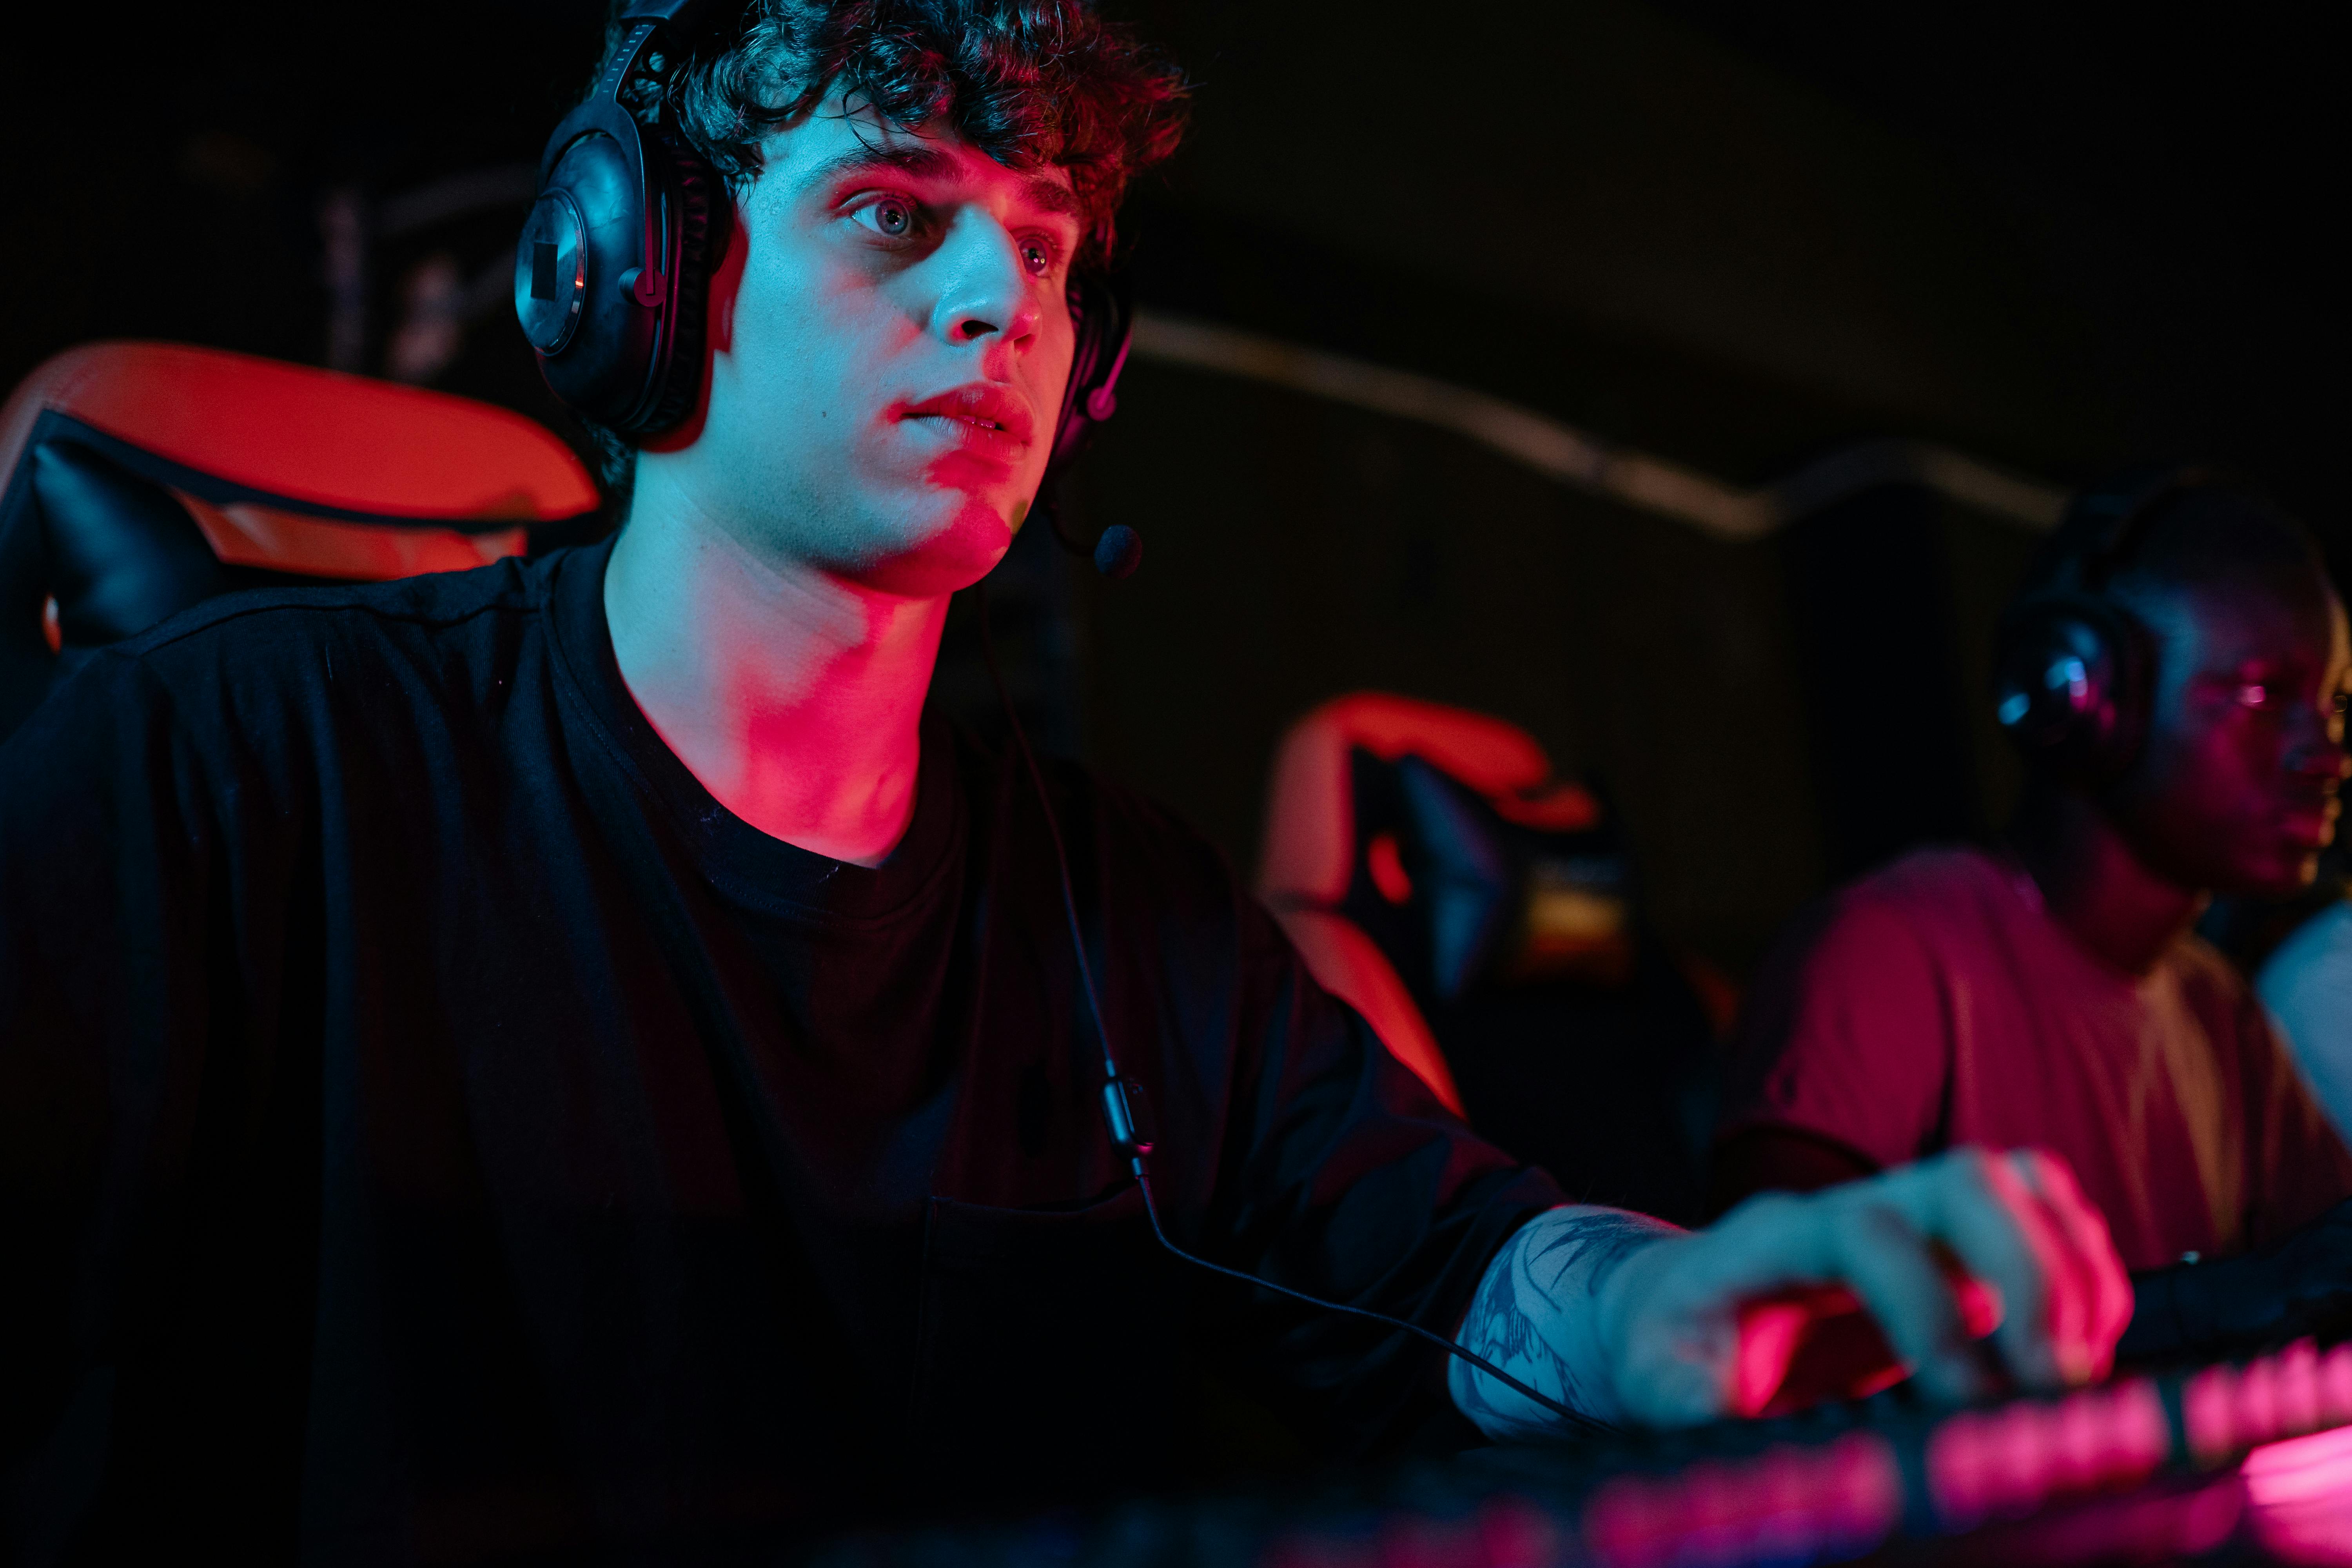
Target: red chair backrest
{"type": "Point", "coordinates": [1484, 918]}
{"type": "Point", "coordinates": [1310, 851]}
{"type": "Point", "coordinates": [141, 477]}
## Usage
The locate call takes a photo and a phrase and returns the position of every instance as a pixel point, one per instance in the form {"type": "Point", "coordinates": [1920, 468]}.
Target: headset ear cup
{"type": "Point", "coordinates": [702, 210]}
{"type": "Point", "coordinates": [2070, 687]}
{"type": "Point", "coordinates": [602, 371]}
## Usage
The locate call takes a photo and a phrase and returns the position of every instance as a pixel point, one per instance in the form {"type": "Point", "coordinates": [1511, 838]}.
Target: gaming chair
{"type": "Point", "coordinates": [1482, 915]}
{"type": "Point", "coordinates": [143, 478]}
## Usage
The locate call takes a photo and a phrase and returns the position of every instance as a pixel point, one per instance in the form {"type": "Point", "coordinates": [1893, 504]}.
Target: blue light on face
{"type": "Point", "coordinates": [2012, 708]}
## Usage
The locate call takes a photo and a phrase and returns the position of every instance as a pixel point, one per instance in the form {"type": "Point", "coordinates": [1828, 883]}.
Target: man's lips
{"type": "Point", "coordinates": [2311, 823]}
{"type": "Point", "coordinates": [980, 415]}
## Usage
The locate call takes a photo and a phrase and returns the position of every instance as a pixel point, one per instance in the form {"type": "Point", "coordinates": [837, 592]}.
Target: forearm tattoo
{"type": "Point", "coordinates": [1533, 1317]}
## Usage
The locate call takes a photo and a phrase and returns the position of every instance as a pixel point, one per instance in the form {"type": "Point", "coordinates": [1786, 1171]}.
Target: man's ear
{"type": "Point", "coordinates": [718, 336]}
{"type": "Point", "coordinates": [725, 281]}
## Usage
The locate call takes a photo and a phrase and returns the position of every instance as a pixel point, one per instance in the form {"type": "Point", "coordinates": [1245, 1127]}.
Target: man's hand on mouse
{"type": "Point", "coordinates": [1636, 1323]}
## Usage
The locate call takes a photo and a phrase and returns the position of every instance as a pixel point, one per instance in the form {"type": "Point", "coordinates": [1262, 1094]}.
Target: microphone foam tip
{"type": "Point", "coordinates": [1118, 552]}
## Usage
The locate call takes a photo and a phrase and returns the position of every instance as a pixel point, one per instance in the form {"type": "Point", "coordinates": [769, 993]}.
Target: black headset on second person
{"type": "Point", "coordinates": [613, 268]}
{"type": "Point", "coordinates": [2073, 670]}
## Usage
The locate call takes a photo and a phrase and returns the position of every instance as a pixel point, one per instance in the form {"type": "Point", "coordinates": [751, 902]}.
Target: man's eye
{"type": "Point", "coordinates": [1037, 256]}
{"type": "Point", "coordinates": [892, 218]}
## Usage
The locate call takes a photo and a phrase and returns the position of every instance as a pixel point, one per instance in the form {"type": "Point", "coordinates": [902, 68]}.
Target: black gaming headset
{"type": "Point", "coordinates": [2073, 670]}
{"type": "Point", "coordinates": [613, 267]}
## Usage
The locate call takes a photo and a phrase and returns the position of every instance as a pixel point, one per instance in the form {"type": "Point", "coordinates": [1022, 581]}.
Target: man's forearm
{"type": "Point", "coordinates": [1535, 1316]}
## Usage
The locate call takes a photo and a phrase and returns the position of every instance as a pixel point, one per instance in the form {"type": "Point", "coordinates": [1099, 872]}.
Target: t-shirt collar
{"type": "Point", "coordinates": [749, 866]}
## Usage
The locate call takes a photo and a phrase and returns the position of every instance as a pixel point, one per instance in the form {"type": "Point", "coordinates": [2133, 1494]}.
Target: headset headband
{"type": "Point", "coordinates": [2121, 515]}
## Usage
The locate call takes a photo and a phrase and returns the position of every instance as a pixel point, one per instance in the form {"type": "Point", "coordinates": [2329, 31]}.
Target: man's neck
{"type": "Point", "coordinates": [2095, 884]}
{"type": "Point", "coordinates": [795, 697]}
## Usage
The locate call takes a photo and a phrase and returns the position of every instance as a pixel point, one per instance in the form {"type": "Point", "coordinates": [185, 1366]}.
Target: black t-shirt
{"type": "Point", "coordinates": [433, 1127]}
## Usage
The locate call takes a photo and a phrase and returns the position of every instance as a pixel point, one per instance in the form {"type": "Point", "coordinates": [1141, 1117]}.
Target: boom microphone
{"type": "Point", "coordinates": [1117, 552]}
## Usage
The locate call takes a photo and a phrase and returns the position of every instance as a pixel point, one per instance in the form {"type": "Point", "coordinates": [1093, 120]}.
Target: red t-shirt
{"type": "Point", "coordinates": [1939, 1004]}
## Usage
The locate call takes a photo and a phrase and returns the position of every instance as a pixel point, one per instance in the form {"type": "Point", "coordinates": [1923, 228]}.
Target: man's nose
{"type": "Point", "coordinates": [2316, 747]}
{"type": "Point", "coordinates": [985, 291]}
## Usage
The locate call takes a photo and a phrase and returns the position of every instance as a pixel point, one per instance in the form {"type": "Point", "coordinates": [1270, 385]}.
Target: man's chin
{"type": "Point", "coordinates": [950, 557]}
{"type": "Point", "coordinates": [2285, 872]}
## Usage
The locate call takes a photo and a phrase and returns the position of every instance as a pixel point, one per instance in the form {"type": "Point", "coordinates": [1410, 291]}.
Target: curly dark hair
{"type": "Point", "coordinates": [1028, 82]}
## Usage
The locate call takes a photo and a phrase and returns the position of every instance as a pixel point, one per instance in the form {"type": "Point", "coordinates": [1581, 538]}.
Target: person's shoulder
{"type": "Point", "coordinates": [254, 619]}
{"type": "Point", "coordinates": [260, 640]}
{"type": "Point", "coordinates": [1930, 881]}
{"type": "Point", "coordinates": [1924, 894]}
{"type": "Point", "coordinates": [1915, 916]}
{"type": "Point", "coordinates": [1844, 1031]}
{"type": "Point", "coordinates": [250, 661]}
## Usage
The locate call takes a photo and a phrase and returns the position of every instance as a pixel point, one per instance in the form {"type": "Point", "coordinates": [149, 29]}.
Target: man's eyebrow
{"type": "Point", "coordinates": [928, 163]}
{"type": "Point", "coordinates": [1053, 197]}
{"type": "Point", "coordinates": [916, 159]}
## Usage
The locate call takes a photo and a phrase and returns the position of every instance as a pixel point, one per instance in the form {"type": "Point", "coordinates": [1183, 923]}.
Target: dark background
{"type": "Point", "coordinates": [1737, 236]}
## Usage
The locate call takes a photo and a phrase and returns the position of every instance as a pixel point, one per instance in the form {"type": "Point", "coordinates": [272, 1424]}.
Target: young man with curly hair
{"type": "Point", "coordinates": [572, 1056]}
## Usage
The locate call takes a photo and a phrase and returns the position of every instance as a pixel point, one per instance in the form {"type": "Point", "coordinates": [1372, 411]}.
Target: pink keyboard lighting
{"type": "Point", "coordinates": [2003, 1463]}
{"type": "Point", "coordinates": [1787, 1504]}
